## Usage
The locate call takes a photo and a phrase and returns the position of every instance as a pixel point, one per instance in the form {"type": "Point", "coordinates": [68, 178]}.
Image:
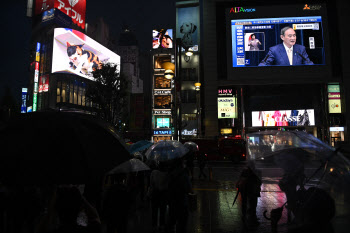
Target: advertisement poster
{"type": "Point", "coordinates": [227, 107]}
{"type": "Point", "coordinates": [334, 103]}
{"type": "Point", "coordinates": [44, 83]}
{"type": "Point", "coordinates": [76, 53]}
{"type": "Point", "coordinates": [187, 26]}
{"type": "Point", "coordinates": [303, 117]}
{"type": "Point", "coordinates": [162, 38]}
{"type": "Point", "coordinates": [75, 9]}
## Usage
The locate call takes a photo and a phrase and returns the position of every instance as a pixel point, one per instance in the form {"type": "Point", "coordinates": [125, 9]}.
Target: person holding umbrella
{"type": "Point", "coordinates": [248, 186]}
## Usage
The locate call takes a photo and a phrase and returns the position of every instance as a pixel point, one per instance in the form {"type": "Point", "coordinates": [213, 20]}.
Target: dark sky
{"type": "Point", "coordinates": [141, 15]}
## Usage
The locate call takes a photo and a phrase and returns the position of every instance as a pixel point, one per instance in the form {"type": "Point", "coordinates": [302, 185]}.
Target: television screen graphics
{"type": "Point", "coordinates": [76, 53]}
{"type": "Point", "coordinates": [163, 122]}
{"type": "Point", "coordinates": [162, 38]}
{"type": "Point", "coordinates": [258, 42]}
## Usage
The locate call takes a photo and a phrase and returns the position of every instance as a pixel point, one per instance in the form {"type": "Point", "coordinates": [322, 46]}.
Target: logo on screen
{"type": "Point", "coordinates": [241, 9]}
{"type": "Point", "coordinates": [311, 7]}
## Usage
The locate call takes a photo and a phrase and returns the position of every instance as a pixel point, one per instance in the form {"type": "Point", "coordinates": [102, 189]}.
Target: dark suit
{"type": "Point", "coordinates": [277, 55]}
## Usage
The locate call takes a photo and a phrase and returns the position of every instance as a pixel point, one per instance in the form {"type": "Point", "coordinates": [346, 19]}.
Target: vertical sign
{"type": "Point", "coordinates": [24, 100]}
{"type": "Point", "coordinates": [36, 76]}
{"type": "Point", "coordinates": [334, 105]}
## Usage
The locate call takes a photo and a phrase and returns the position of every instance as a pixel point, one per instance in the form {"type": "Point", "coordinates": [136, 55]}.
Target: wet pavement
{"type": "Point", "coordinates": [215, 213]}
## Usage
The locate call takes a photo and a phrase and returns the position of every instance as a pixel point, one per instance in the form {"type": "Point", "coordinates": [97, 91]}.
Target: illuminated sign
{"type": "Point", "coordinates": [163, 122]}
{"type": "Point", "coordinates": [76, 53]}
{"type": "Point", "coordinates": [75, 9]}
{"type": "Point", "coordinates": [334, 102]}
{"type": "Point", "coordinates": [225, 92]}
{"type": "Point", "coordinates": [161, 132]}
{"type": "Point", "coordinates": [44, 83]}
{"type": "Point", "coordinates": [162, 92]}
{"type": "Point", "coordinates": [336, 129]}
{"type": "Point", "coordinates": [36, 75]}
{"type": "Point", "coordinates": [162, 38]}
{"type": "Point", "coordinates": [226, 131]}
{"type": "Point", "coordinates": [35, 99]}
{"type": "Point", "coordinates": [24, 100]}
{"type": "Point", "coordinates": [227, 107]}
{"type": "Point", "coordinates": [303, 117]}
{"type": "Point", "coordinates": [161, 112]}
{"type": "Point", "coordinates": [239, 9]}
{"type": "Point", "coordinates": [189, 132]}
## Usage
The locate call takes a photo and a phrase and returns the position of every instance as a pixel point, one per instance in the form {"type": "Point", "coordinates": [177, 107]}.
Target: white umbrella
{"type": "Point", "coordinates": [166, 150]}
{"type": "Point", "coordinates": [132, 165]}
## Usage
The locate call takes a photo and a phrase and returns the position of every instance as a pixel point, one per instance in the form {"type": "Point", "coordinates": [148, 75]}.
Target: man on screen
{"type": "Point", "coordinates": [287, 53]}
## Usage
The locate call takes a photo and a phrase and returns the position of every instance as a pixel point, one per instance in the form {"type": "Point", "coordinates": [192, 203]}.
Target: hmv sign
{"type": "Point", "coordinates": [227, 92]}
{"type": "Point", "coordinates": [73, 8]}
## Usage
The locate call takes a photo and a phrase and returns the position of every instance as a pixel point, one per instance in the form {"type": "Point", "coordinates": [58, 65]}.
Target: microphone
{"type": "Point", "coordinates": [267, 56]}
{"type": "Point", "coordinates": [302, 56]}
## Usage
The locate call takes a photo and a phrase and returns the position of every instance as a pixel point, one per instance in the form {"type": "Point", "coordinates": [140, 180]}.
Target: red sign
{"type": "Point", "coordinates": [44, 83]}
{"type": "Point", "coordinates": [73, 8]}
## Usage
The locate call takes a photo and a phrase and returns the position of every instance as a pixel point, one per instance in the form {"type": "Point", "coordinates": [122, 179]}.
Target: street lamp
{"type": "Point", "coordinates": [197, 86]}
{"type": "Point", "coordinates": [188, 54]}
{"type": "Point", "coordinates": [169, 74]}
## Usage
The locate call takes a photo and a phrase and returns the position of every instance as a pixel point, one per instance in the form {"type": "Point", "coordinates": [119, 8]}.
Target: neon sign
{"type": "Point", "coordinates": [241, 9]}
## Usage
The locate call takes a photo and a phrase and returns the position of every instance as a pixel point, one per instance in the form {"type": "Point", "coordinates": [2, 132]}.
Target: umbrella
{"type": "Point", "coordinates": [132, 165]}
{"type": "Point", "coordinates": [139, 146]}
{"type": "Point", "coordinates": [166, 150]}
{"type": "Point", "coordinates": [191, 146]}
{"type": "Point", "coordinates": [58, 148]}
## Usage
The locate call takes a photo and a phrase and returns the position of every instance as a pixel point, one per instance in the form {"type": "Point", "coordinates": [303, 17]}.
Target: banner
{"type": "Point", "coordinates": [303, 117]}
{"type": "Point", "coordinates": [334, 102]}
{"type": "Point", "coordinates": [76, 53]}
{"type": "Point", "coordinates": [187, 27]}
{"type": "Point", "coordinates": [227, 107]}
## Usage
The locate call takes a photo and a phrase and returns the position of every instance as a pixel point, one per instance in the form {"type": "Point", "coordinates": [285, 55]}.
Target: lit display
{"type": "Point", "coordinates": [303, 117]}
{"type": "Point", "coordinates": [76, 53]}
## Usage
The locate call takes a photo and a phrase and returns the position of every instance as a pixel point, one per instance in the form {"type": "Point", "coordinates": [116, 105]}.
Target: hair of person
{"type": "Point", "coordinates": [283, 30]}
{"type": "Point", "coordinates": [251, 36]}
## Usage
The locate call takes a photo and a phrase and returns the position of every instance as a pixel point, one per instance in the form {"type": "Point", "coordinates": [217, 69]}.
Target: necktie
{"type": "Point", "coordinates": [290, 56]}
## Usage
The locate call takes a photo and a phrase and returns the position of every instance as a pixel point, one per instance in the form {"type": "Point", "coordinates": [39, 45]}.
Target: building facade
{"type": "Point", "coordinates": [241, 92]}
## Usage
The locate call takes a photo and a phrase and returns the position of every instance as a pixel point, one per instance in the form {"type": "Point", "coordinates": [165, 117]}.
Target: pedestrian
{"type": "Point", "coordinates": [179, 188]}
{"type": "Point", "coordinates": [248, 186]}
{"type": "Point", "coordinates": [115, 206]}
{"type": "Point", "coordinates": [202, 161]}
{"type": "Point", "coordinates": [158, 193]}
{"type": "Point", "coordinates": [67, 202]}
{"type": "Point", "coordinates": [190, 156]}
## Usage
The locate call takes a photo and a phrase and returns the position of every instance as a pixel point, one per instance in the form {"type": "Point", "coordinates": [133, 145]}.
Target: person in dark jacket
{"type": "Point", "coordinates": [179, 188]}
{"type": "Point", "coordinates": [249, 187]}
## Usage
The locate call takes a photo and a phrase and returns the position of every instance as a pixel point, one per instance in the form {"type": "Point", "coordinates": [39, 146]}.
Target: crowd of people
{"type": "Point", "coordinates": [105, 207]}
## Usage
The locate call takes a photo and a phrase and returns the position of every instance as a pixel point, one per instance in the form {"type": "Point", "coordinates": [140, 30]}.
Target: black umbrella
{"type": "Point", "coordinates": [57, 147]}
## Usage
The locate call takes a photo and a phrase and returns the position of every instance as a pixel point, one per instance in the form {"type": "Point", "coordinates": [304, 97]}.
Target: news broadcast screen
{"type": "Point", "coordinates": [76, 53]}
{"type": "Point", "coordinates": [259, 41]}
{"type": "Point", "coordinates": [162, 38]}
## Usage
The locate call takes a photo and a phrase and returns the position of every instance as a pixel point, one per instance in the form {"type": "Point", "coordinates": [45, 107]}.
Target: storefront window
{"type": "Point", "coordinates": [80, 91]}
{"type": "Point", "coordinates": [160, 82]}
{"type": "Point", "coordinates": [63, 92]}
{"type": "Point", "coordinates": [58, 92]}
{"type": "Point", "coordinates": [71, 93]}
{"type": "Point", "coordinates": [162, 102]}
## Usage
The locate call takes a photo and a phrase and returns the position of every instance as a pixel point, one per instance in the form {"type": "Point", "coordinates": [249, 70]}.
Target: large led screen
{"type": "Point", "coordinates": [302, 117]}
{"type": "Point", "coordinates": [266, 41]}
{"type": "Point", "coordinates": [76, 53]}
{"type": "Point", "coordinates": [162, 38]}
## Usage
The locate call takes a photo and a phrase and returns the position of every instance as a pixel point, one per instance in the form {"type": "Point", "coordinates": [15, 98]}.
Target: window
{"type": "Point", "coordinates": [188, 96]}
{"type": "Point", "coordinates": [189, 74]}
{"type": "Point", "coordinates": [58, 92]}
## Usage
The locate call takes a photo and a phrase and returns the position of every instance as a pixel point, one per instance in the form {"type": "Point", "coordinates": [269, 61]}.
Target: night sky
{"type": "Point", "coordinates": [141, 16]}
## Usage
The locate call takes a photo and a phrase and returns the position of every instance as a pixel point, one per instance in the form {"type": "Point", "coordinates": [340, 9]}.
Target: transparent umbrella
{"type": "Point", "coordinates": [166, 150]}
{"type": "Point", "coordinates": [191, 146]}
{"type": "Point", "coordinates": [326, 171]}
{"type": "Point", "coordinates": [132, 165]}
{"type": "Point", "coordinates": [139, 146]}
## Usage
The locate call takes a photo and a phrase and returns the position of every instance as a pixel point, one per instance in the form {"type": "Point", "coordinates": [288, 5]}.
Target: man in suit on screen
{"type": "Point", "coordinates": [288, 53]}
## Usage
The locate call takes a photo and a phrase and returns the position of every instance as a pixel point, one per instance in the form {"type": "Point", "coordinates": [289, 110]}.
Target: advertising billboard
{"type": "Point", "coordinates": [334, 101]}
{"type": "Point", "coordinates": [73, 8]}
{"type": "Point", "coordinates": [187, 26]}
{"type": "Point", "coordinates": [76, 53]}
{"type": "Point", "coordinates": [303, 117]}
{"type": "Point", "coordinates": [227, 107]}
{"type": "Point", "coordinates": [258, 42]}
{"type": "Point", "coordinates": [162, 38]}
